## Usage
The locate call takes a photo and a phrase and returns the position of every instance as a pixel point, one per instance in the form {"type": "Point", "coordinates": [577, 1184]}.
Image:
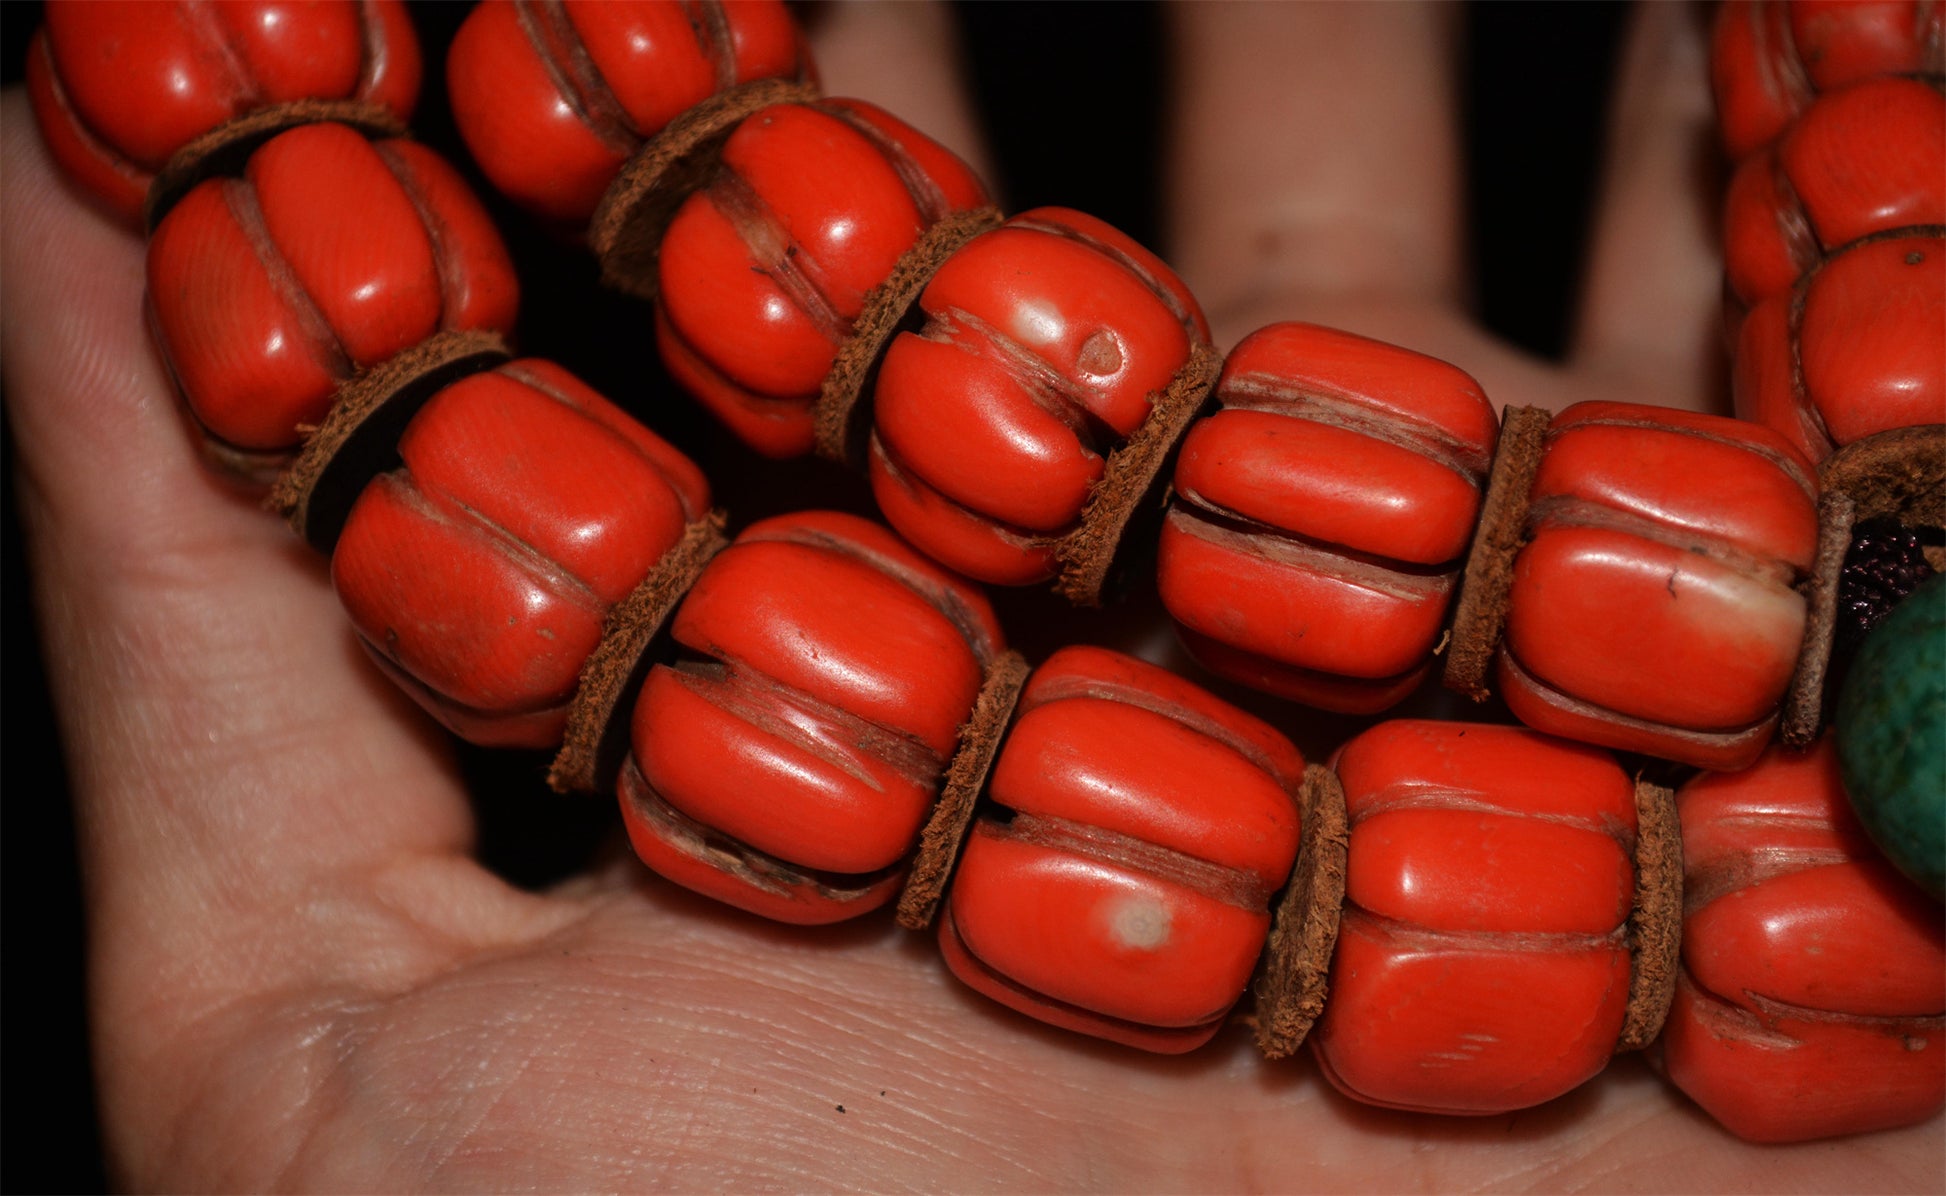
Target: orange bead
{"type": "Point", "coordinates": [120, 85]}
{"type": "Point", "coordinates": [1813, 995]}
{"type": "Point", "coordinates": [552, 99]}
{"type": "Point", "coordinates": [1654, 606]}
{"type": "Point", "coordinates": [763, 271]}
{"type": "Point", "coordinates": [1124, 892]}
{"type": "Point", "coordinates": [1482, 962]}
{"type": "Point", "coordinates": [330, 255]}
{"type": "Point", "coordinates": [1769, 60]}
{"type": "Point", "coordinates": [1320, 517]}
{"type": "Point", "coordinates": [829, 670]}
{"type": "Point", "coordinates": [478, 573]}
{"type": "Point", "coordinates": [1045, 343]}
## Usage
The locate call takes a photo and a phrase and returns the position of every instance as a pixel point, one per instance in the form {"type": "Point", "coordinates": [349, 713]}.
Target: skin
{"type": "Point", "coordinates": [301, 979]}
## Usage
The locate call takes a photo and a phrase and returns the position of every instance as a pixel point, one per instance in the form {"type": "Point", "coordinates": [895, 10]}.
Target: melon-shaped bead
{"type": "Point", "coordinates": [764, 270]}
{"type": "Point", "coordinates": [1045, 344]}
{"type": "Point", "coordinates": [328, 255]}
{"type": "Point", "coordinates": [479, 572]}
{"type": "Point", "coordinates": [786, 762]}
{"type": "Point", "coordinates": [120, 85]}
{"type": "Point", "coordinates": [1653, 606]}
{"type": "Point", "coordinates": [1769, 59]}
{"type": "Point", "coordinates": [552, 99]}
{"type": "Point", "coordinates": [1320, 517]}
{"type": "Point", "coordinates": [1123, 891]}
{"type": "Point", "coordinates": [1892, 735]}
{"type": "Point", "coordinates": [1483, 963]}
{"type": "Point", "coordinates": [1812, 1000]}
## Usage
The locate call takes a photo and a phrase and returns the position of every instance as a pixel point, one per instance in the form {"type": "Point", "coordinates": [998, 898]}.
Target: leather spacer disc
{"type": "Point", "coordinates": [842, 417]}
{"type": "Point", "coordinates": [1655, 922]}
{"type": "Point", "coordinates": [1124, 512]}
{"type": "Point", "coordinates": [1292, 984]}
{"type": "Point", "coordinates": [1480, 614]}
{"type": "Point", "coordinates": [634, 636]}
{"type": "Point", "coordinates": [965, 781]}
{"type": "Point", "coordinates": [359, 438]}
{"type": "Point", "coordinates": [223, 150]}
{"type": "Point", "coordinates": [626, 231]}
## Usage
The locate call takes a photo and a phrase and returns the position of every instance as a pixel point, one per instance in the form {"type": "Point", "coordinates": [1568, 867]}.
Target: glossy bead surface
{"type": "Point", "coordinates": [1860, 354]}
{"type": "Point", "coordinates": [1868, 159]}
{"type": "Point", "coordinates": [552, 99]}
{"type": "Point", "coordinates": [1320, 518]}
{"type": "Point", "coordinates": [1123, 893]}
{"type": "Point", "coordinates": [1044, 344]}
{"type": "Point", "coordinates": [1653, 607]}
{"type": "Point", "coordinates": [1769, 59]}
{"type": "Point", "coordinates": [329, 255]}
{"type": "Point", "coordinates": [763, 271]}
{"type": "Point", "coordinates": [478, 574]}
{"type": "Point", "coordinates": [1812, 1000]}
{"type": "Point", "coordinates": [1892, 736]}
{"type": "Point", "coordinates": [828, 670]}
{"type": "Point", "coordinates": [1482, 961]}
{"type": "Point", "coordinates": [120, 85]}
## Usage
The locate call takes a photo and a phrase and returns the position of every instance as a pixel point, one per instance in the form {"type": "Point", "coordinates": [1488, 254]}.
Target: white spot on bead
{"type": "Point", "coordinates": [1139, 923]}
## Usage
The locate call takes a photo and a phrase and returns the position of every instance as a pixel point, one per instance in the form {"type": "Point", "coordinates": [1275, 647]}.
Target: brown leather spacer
{"type": "Point", "coordinates": [842, 417]}
{"type": "Point", "coordinates": [1899, 473]}
{"type": "Point", "coordinates": [1803, 714]}
{"type": "Point", "coordinates": [966, 780]}
{"type": "Point", "coordinates": [1655, 923]}
{"type": "Point", "coordinates": [626, 231]}
{"type": "Point", "coordinates": [1480, 615]}
{"type": "Point", "coordinates": [1295, 976]}
{"type": "Point", "coordinates": [359, 438]}
{"type": "Point", "coordinates": [1124, 512]}
{"type": "Point", "coordinates": [596, 741]}
{"type": "Point", "coordinates": [223, 150]}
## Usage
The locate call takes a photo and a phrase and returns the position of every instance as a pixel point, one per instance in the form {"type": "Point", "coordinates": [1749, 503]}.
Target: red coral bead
{"type": "Point", "coordinates": [1769, 60]}
{"type": "Point", "coordinates": [1812, 1000]}
{"type": "Point", "coordinates": [1653, 607]}
{"type": "Point", "coordinates": [552, 99]}
{"type": "Point", "coordinates": [1858, 354]}
{"type": "Point", "coordinates": [328, 256]}
{"type": "Point", "coordinates": [478, 574]}
{"type": "Point", "coordinates": [763, 271]}
{"type": "Point", "coordinates": [1868, 159]}
{"type": "Point", "coordinates": [1124, 893]}
{"type": "Point", "coordinates": [830, 669]}
{"type": "Point", "coordinates": [1320, 518]}
{"type": "Point", "coordinates": [1482, 961]}
{"type": "Point", "coordinates": [1044, 345]}
{"type": "Point", "coordinates": [120, 85]}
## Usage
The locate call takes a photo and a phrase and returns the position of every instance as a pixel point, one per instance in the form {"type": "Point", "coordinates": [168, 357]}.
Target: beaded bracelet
{"type": "Point", "coordinates": [1215, 829]}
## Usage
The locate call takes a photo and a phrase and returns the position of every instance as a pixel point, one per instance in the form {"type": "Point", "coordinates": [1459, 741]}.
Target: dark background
{"type": "Point", "coordinates": [1536, 78]}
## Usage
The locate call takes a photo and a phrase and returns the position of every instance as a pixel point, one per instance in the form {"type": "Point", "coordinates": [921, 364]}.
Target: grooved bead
{"type": "Point", "coordinates": [1482, 962]}
{"type": "Point", "coordinates": [763, 271]}
{"type": "Point", "coordinates": [553, 99]}
{"type": "Point", "coordinates": [120, 85]}
{"type": "Point", "coordinates": [1812, 1000]}
{"type": "Point", "coordinates": [330, 254]}
{"type": "Point", "coordinates": [1653, 607]}
{"type": "Point", "coordinates": [478, 573]}
{"type": "Point", "coordinates": [1044, 342]}
{"type": "Point", "coordinates": [1320, 518]}
{"type": "Point", "coordinates": [1124, 892]}
{"type": "Point", "coordinates": [827, 671]}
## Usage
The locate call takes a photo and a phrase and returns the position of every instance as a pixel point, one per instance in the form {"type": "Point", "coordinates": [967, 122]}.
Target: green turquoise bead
{"type": "Point", "coordinates": [1892, 736]}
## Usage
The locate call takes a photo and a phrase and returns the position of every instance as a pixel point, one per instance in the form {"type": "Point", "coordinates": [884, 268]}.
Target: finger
{"type": "Point", "coordinates": [1313, 154]}
{"type": "Point", "coordinates": [905, 58]}
{"type": "Point", "coordinates": [1650, 307]}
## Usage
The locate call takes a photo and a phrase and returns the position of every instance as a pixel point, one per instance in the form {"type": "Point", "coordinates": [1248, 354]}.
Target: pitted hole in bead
{"type": "Point", "coordinates": [1139, 923]}
{"type": "Point", "coordinates": [1101, 354]}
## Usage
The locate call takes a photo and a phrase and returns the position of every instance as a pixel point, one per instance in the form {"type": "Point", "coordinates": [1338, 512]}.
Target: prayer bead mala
{"type": "Point", "coordinates": [815, 719]}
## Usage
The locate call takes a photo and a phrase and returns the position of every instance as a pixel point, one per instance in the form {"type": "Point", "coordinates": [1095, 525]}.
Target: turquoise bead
{"type": "Point", "coordinates": [1892, 736]}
